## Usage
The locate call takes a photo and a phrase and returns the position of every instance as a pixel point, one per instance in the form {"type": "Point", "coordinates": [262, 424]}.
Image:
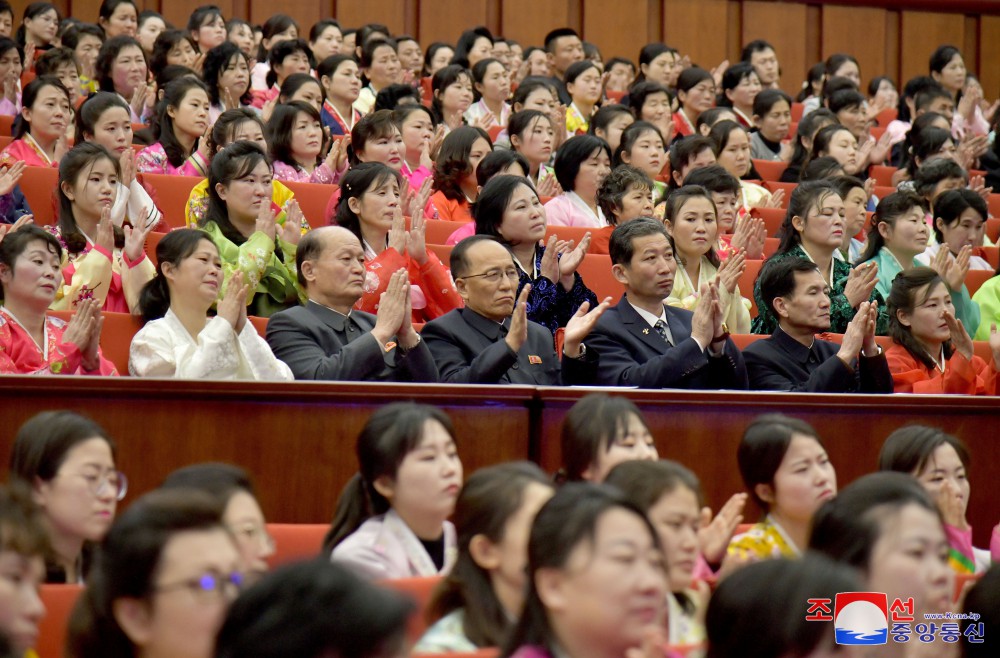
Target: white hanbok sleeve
{"type": "Point", "coordinates": [259, 357]}
{"type": "Point", "coordinates": [161, 350]}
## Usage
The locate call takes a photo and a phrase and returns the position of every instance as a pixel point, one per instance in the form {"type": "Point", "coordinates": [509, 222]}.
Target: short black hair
{"type": "Point", "coordinates": [273, 618]}
{"type": "Point", "coordinates": [950, 205]}
{"type": "Point", "coordinates": [923, 98]}
{"type": "Point", "coordinates": [621, 248]}
{"type": "Point", "coordinates": [714, 178]}
{"type": "Point", "coordinates": [558, 33]}
{"type": "Point", "coordinates": [777, 277]}
{"type": "Point", "coordinates": [755, 46]}
{"type": "Point", "coordinates": [572, 153]}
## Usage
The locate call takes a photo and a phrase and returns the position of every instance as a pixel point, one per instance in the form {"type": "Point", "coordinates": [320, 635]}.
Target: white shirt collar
{"type": "Point", "coordinates": [652, 319]}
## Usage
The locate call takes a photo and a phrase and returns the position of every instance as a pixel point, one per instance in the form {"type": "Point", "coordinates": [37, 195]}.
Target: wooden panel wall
{"type": "Point", "coordinates": [888, 38]}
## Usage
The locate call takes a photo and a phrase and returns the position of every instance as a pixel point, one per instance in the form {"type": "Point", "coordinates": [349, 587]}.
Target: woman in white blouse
{"type": "Point", "coordinates": [179, 339]}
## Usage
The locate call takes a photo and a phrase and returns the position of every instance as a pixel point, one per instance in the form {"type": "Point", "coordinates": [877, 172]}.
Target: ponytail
{"type": "Point", "coordinates": [391, 433]}
{"type": "Point", "coordinates": [354, 508]}
{"type": "Point", "coordinates": [154, 298]}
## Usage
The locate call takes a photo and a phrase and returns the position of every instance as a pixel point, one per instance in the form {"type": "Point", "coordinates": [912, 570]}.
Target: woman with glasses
{"type": "Point", "coordinates": [231, 487]}
{"type": "Point", "coordinates": [168, 571]}
{"type": "Point", "coordinates": [68, 461]}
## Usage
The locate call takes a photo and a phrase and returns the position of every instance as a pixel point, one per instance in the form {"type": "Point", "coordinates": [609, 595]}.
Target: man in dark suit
{"type": "Point", "coordinates": [647, 344]}
{"type": "Point", "coordinates": [327, 339]}
{"type": "Point", "coordinates": [491, 340]}
{"type": "Point", "coordinates": [793, 359]}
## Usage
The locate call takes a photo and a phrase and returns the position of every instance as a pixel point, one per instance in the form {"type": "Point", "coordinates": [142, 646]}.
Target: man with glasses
{"type": "Point", "coordinates": [330, 340]}
{"type": "Point", "coordinates": [491, 340]}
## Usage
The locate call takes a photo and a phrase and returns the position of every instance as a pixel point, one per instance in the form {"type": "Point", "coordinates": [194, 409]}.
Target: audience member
{"type": "Point", "coordinates": [178, 339]}
{"type": "Point", "coordinates": [931, 350]}
{"type": "Point", "coordinates": [601, 431]}
{"type": "Point", "coordinates": [40, 134]}
{"type": "Point", "coordinates": [491, 340]}
{"type": "Point", "coordinates": [23, 545]}
{"type": "Point", "coordinates": [597, 579]}
{"type": "Point", "coordinates": [231, 487]}
{"type": "Point", "coordinates": [670, 496]}
{"type": "Point", "coordinates": [940, 462]}
{"type": "Point", "coordinates": [68, 463]}
{"type": "Point", "coordinates": [814, 229]}
{"type": "Point", "coordinates": [277, 616]}
{"type": "Point", "coordinates": [509, 210]}
{"type": "Point", "coordinates": [474, 605]}
{"type": "Point", "coordinates": [241, 222]}
{"type": "Point", "coordinates": [328, 338]}
{"type": "Point", "coordinates": [788, 474]}
{"type": "Point", "coordinates": [873, 526]}
{"type": "Point", "coordinates": [391, 519]}
{"type": "Point", "coordinates": [793, 358]}
{"type": "Point", "coordinates": [370, 208]}
{"type": "Point", "coordinates": [692, 223]}
{"type": "Point", "coordinates": [582, 164]}
{"type": "Point", "coordinates": [166, 574]}
{"type": "Point", "coordinates": [104, 262]}
{"type": "Point", "coordinates": [31, 341]}
{"type": "Point", "coordinates": [743, 609]}
{"type": "Point", "coordinates": [644, 342]}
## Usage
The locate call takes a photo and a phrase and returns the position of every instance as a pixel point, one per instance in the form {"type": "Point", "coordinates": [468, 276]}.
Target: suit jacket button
{"type": "Point", "coordinates": [515, 366]}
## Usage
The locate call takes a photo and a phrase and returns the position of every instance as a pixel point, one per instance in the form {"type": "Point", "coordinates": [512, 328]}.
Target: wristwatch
{"type": "Point", "coordinates": [721, 337]}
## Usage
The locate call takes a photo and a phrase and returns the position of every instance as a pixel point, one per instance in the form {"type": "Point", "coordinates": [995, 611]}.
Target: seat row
{"type": "Point", "coordinates": [293, 542]}
{"type": "Point", "coordinates": [119, 329]}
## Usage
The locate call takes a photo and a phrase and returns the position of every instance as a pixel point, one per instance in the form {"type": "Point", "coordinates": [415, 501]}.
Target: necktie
{"type": "Point", "coordinates": [661, 328]}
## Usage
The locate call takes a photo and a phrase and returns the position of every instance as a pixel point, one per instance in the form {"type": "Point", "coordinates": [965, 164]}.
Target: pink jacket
{"type": "Point", "coordinates": [564, 210]}
{"type": "Point", "coordinates": [153, 160]}
{"type": "Point", "coordinates": [385, 548]}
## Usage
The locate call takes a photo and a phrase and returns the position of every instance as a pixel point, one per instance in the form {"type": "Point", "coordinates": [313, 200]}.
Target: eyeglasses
{"type": "Point", "coordinates": [209, 583]}
{"type": "Point", "coordinates": [113, 482]}
{"type": "Point", "coordinates": [253, 532]}
{"type": "Point", "coordinates": [493, 276]}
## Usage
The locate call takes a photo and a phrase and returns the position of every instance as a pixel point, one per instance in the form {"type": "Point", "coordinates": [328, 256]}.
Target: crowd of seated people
{"type": "Point", "coordinates": [247, 114]}
{"type": "Point", "coordinates": [522, 562]}
{"type": "Point", "coordinates": [488, 214]}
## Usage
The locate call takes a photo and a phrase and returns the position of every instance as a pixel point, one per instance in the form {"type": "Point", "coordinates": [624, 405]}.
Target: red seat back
{"type": "Point", "coordinates": [296, 541]}
{"type": "Point", "coordinates": [59, 601]}
{"type": "Point", "coordinates": [39, 185]}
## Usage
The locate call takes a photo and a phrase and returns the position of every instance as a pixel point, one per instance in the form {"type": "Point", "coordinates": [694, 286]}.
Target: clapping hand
{"type": "Point", "coordinates": [266, 220]}
{"type": "Point", "coordinates": [9, 176]}
{"type": "Point", "coordinates": [731, 270]}
{"type": "Point", "coordinates": [951, 268]}
{"type": "Point", "coordinates": [291, 230]}
{"type": "Point", "coordinates": [398, 236]}
{"type": "Point", "coordinates": [135, 238]}
{"type": "Point", "coordinates": [860, 283]}
{"type": "Point", "coordinates": [960, 338]}
{"type": "Point", "coordinates": [233, 306]}
{"type": "Point", "coordinates": [518, 332]}
{"type": "Point", "coordinates": [580, 326]}
{"type": "Point", "coordinates": [714, 535]}
{"type": "Point", "coordinates": [393, 307]}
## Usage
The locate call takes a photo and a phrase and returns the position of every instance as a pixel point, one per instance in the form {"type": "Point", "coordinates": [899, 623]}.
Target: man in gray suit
{"type": "Point", "coordinates": [327, 339]}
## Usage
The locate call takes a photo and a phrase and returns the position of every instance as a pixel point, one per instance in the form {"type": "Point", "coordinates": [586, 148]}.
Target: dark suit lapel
{"type": "Point", "coordinates": [678, 329]}
{"type": "Point", "coordinates": [639, 328]}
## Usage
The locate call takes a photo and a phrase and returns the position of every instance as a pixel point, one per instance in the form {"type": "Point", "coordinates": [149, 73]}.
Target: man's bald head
{"type": "Point", "coordinates": [315, 242]}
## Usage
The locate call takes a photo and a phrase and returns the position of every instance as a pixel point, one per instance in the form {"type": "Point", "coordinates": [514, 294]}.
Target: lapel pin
{"type": "Point", "coordinates": [645, 332]}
